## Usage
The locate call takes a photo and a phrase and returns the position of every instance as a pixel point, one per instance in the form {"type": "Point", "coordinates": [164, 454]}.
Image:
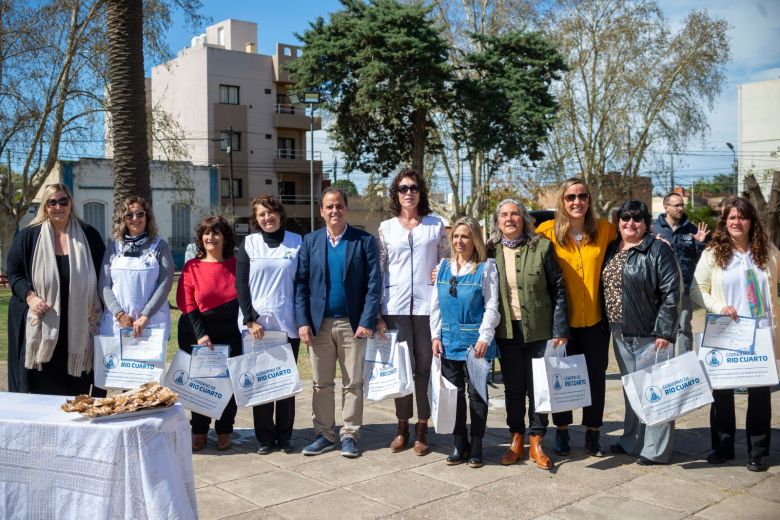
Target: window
{"type": "Point", "coordinates": [237, 188]}
{"type": "Point", "coordinates": [223, 141]}
{"type": "Point", "coordinates": [228, 94]}
{"type": "Point", "coordinates": [95, 216]}
{"type": "Point", "coordinates": [220, 36]}
{"type": "Point", "coordinates": [287, 192]}
{"type": "Point", "coordinates": [181, 232]}
{"type": "Point", "coordinates": [286, 147]}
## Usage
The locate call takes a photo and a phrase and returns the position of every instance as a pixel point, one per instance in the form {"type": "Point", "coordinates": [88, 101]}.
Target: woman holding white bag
{"type": "Point", "coordinates": [641, 287]}
{"type": "Point", "coordinates": [737, 276]}
{"type": "Point", "coordinates": [533, 310]}
{"type": "Point", "coordinates": [265, 276]}
{"type": "Point", "coordinates": [464, 314]}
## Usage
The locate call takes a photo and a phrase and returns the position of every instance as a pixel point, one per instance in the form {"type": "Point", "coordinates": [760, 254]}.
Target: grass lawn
{"type": "Point", "coordinates": [304, 367]}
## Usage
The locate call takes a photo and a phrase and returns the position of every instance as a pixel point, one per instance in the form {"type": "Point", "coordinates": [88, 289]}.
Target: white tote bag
{"type": "Point", "coordinates": [267, 375]}
{"type": "Point", "coordinates": [730, 369]}
{"type": "Point", "coordinates": [204, 396]}
{"type": "Point", "coordinates": [389, 379]}
{"type": "Point", "coordinates": [668, 390]}
{"type": "Point", "coordinates": [443, 396]}
{"type": "Point", "coordinates": [560, 383]}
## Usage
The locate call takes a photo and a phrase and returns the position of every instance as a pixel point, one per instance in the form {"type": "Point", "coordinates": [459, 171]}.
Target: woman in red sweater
{"type": "Point", "coordinates": [208, 301]}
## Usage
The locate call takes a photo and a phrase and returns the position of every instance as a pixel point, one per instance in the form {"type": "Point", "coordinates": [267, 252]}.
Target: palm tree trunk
{"type": "Point", "coordinates": [127, 98]}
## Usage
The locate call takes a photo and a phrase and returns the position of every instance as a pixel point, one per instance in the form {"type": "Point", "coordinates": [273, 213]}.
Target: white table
{"type": "Point", "coordinates": [57, 465]}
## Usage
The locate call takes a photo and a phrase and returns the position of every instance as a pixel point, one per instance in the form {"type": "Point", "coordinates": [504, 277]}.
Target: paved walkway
{"type": "Point", "coordinates": [241, 484]}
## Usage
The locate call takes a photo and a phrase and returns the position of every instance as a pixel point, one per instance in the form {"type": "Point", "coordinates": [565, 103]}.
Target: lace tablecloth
{"type": "Point", "coordinates": [57, 465]}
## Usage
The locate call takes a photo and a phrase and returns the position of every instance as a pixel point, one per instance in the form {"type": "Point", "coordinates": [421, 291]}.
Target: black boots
{"type": "Point", "coordinates": [476, 453]}
{"type": "Point", "coordinates": [592, 443]}
{"type": "Point", "coordinates": [460, 450]}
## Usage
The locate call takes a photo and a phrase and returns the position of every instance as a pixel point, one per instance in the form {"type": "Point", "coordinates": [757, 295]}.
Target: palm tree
{"type": "Point", "coordinates": [127, 98]}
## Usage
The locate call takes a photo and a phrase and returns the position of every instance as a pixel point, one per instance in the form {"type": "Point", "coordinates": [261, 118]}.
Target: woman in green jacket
{"type": "Point", "coordinates": [533, 309]}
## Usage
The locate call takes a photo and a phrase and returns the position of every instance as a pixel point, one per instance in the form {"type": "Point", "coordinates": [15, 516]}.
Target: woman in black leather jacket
{"type": "Point", "coordinates": [641, 287]}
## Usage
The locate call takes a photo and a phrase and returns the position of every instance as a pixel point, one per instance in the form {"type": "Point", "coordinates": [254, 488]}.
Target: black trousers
{"type": "Point", "coordinates": [593, 342]}
{"type": "Point", "coordinates": [222, 328]}
{"type": "Point", "coordinates": [268, 429]}
{"type": "Point", "coordinates": [456, 373]}
{"type": "Point", "coordinates": [416, 332]}
{"type": "Point", "coordinates": [757, 422]}
{"type": "Point", "coordinates": [516, 368]}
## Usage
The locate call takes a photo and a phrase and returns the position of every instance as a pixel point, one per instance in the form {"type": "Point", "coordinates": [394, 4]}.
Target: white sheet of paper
{"type": "Point", "coordinates": [381, 350]}
{"type": "Point", "coordinates": [270, 338]}
{"type": "Point", "coordinates": [149, 346]}
{"type": "Point", "coordinates": [205, 362]}
{"type": "Point", "coordinates": [478, 369]}
{"type": "Point", "coordinates": [721, 332]}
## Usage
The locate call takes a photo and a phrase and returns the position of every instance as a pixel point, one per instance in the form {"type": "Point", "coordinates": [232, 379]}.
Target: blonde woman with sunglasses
{"type": "Point", "coordinates": [580, 241]}
{"type": "Point", "coordinates": [464, 315]}
{"type": "Point", "coordinates": [55, 308]}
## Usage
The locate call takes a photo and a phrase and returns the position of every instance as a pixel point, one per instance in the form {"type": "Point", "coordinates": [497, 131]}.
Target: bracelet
{"type": "Point", "coordinates": [119, 314]}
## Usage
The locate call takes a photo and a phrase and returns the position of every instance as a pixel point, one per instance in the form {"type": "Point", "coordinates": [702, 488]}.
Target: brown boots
{"type": "Point", "coordinates": [537, 454]}
{"type": "Point", "coordinates": [198, 441]}
{"type": "Point", "coordinates": [401, 439]}
{"type": "Point", "coordinates": [515, 452]}
{"type": "Point", "coordinates": [421, 439]}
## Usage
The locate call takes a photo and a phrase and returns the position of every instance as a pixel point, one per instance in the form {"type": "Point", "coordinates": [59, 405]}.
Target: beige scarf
{"type": "Point", "coordinates": [84, 307]}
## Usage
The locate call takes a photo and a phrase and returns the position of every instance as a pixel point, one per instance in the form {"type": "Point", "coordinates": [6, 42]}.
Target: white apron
{"type": "Point", "coordinates": [271, 282]}
{"type": "Point", "coordinates": [134, 280]}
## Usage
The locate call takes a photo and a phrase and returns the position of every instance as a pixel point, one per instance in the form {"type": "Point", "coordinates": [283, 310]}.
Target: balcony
{"type": "Point", "coordinates": [297, 161]}
{"type": "Point", "coordinates": [293, 116]}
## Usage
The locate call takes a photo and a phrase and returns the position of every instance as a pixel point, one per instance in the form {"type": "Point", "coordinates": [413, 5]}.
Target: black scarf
{"type": "Point", "coordinates": [132, 246]}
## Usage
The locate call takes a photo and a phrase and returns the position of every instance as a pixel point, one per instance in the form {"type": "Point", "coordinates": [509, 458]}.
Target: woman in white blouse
{"type": "Point", "coordinates": [410, 246]}
{"type": "Point", "coordinates": [464, 315]}
{"type": "Point", "coordinates": [737, 276]}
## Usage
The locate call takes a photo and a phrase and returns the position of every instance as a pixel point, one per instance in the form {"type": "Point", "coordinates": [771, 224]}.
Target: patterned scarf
{"type": "Point", "coordinates": [511, 244]}
{"type": "Point", "coordinates": [132, 246]}
{"type": "Point", "coordinates": [755, 297]}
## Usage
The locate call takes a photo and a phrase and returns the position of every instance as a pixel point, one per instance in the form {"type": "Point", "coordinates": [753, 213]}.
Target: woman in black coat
{"type": "Point", "coordinates": [52, 269]}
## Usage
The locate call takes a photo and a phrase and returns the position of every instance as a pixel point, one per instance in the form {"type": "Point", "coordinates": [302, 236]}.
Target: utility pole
{"type": "Point", "coordinates": [229, 150]}
{"type": "Point", "coordinates": [335, 169]}
{"type": "Point", "coordinates": [734, 167]}
{"type": "Point", "coordinates": [671, 171]}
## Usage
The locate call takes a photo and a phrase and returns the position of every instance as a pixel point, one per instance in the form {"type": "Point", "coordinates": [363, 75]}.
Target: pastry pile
{"type": "Point", "coordinates": [148, 395]}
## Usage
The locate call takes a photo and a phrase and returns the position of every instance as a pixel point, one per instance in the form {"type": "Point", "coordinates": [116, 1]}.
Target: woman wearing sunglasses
{"type": "Point", "coordinates": [410, 246]}
{"type": "Point", "coordinates": [464, 315]}
{"type": "Point", "coordinates": [641, 287]}
{"type": "Point", "coordinates": [580, 241]}
{"type": "Point", "coordinates": [137, 272]}
{"type": "Point", "coordinates": [55, 308]}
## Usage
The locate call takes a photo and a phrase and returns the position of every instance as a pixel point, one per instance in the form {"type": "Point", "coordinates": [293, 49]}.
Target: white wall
{"type": "Point", "coordinates": [759, 131]}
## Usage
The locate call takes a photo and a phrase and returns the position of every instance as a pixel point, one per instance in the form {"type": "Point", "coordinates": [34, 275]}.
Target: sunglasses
{"type": "Point", "coordinates": [454, 287]}
{"type": "Point", "coordinates": [52, 203]}
{"type": "Point", "coordinates": [675, 205]}
{"type": "Point", "coordinates": [403, 188]}
{"type": "Point", "coordinates": [138, 215]}
{"type": "Point", "coordinates": [636, 218]}
{"type": "Point", "coordinates": [571, 197]}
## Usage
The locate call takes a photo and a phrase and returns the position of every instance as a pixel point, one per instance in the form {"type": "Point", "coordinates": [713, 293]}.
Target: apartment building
{"type": "Point", "coordinates": [220, 89]}
{"type": "Point", "coordinates": [759, 132]}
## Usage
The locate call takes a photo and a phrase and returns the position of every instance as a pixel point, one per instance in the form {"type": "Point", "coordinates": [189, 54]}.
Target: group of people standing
{"type": "Point", "coordinates": [574, 281]}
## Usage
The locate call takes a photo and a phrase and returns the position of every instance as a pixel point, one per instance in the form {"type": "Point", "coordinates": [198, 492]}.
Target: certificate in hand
{"type": "Point", "coordinates": [478, 369]}
{"type": "Point", "coordinates": [271, 338]}
{"type": "Point", "coordinates": [149, 346]}
{"type": "Point", "coordinates": [721, 332]}
{"type": "Point", "coordinates": [206, 362]}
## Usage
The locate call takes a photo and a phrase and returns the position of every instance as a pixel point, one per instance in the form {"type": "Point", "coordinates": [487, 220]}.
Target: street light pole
{"type": "Point", "coordinates": [734, 167]}
{"type": "Point", "coordinates": [312, 99]}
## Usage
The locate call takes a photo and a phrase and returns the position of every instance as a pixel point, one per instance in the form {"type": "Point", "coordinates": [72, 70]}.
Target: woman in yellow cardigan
{"type": "Point", "coordinates": [737, 275]}
{"type": "Point", "coordinates": [580, 241]}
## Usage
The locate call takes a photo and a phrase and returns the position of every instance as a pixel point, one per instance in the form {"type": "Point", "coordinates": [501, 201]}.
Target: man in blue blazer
{"type": "Point", "coordinates": [338, 289]}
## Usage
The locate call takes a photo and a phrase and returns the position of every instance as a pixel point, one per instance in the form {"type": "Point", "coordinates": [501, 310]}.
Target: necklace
{"type": "Point", "coordinates": [578, 236]}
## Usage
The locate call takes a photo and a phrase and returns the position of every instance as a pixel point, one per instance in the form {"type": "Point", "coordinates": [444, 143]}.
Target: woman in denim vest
{"type": "Point", "coordinates": [464, 314]}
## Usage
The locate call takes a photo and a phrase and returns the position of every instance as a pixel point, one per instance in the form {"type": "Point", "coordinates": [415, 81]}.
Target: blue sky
{"type": "Point", "coordinates": [754, 33]}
